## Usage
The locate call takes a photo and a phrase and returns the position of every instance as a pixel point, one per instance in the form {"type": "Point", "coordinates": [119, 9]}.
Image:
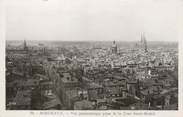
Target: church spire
{"type": "Point", "coordinates": [144, 42]}
{"type": "Point", "coordinates": [25, 45]}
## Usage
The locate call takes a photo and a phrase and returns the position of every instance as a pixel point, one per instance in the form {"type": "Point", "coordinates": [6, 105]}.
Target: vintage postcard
{"type": "Point", "coordinates": [119, 58]}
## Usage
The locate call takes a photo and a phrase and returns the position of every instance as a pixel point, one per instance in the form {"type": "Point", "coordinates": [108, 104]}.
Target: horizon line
{"type": "Point", "coordinates": [95, 40]}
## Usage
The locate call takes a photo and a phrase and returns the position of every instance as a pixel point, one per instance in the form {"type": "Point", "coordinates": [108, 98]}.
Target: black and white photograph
{"type": "Point", "coordinates": [92, 55]}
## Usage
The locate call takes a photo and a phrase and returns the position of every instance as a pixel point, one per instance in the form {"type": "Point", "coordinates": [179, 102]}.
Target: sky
{"type": "Point", "coordinates": [97, 20]}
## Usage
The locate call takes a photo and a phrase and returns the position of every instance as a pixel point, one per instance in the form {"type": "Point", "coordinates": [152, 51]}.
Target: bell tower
{"type": "Point", "coordinates": [114, 47]}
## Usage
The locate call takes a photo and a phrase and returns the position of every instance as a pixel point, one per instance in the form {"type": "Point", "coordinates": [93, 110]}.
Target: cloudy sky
{"type": "Point", "coordinates": [78, 20]}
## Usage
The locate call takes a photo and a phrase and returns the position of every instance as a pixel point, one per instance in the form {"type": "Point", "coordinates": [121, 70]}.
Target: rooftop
{"type": "Point", "coordinates": [72, 93]}
{"type": "Point", "coordinates": [83, 105]}
{"type": "Point", "coordinates": [67, 78]}
{"type": "Point", "coordinates": [23, 98]}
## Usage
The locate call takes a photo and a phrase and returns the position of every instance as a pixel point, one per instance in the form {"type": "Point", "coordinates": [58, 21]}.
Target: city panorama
{"type": "Point", "coordinates": [91, 75]}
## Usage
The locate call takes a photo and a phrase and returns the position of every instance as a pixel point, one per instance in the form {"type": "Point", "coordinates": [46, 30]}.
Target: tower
{"type": "Point", "coordinates": [114, 47]}
{"type": "Point", "coordinates": [25, 46]}
{"type": "Point", "coordinates": [144, 46]}
{"type": "Point", "coordinates": [144, 42]}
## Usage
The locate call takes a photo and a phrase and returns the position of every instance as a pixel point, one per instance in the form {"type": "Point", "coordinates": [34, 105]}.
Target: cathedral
{"type": "Point", "coordinates": [143, 43]}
